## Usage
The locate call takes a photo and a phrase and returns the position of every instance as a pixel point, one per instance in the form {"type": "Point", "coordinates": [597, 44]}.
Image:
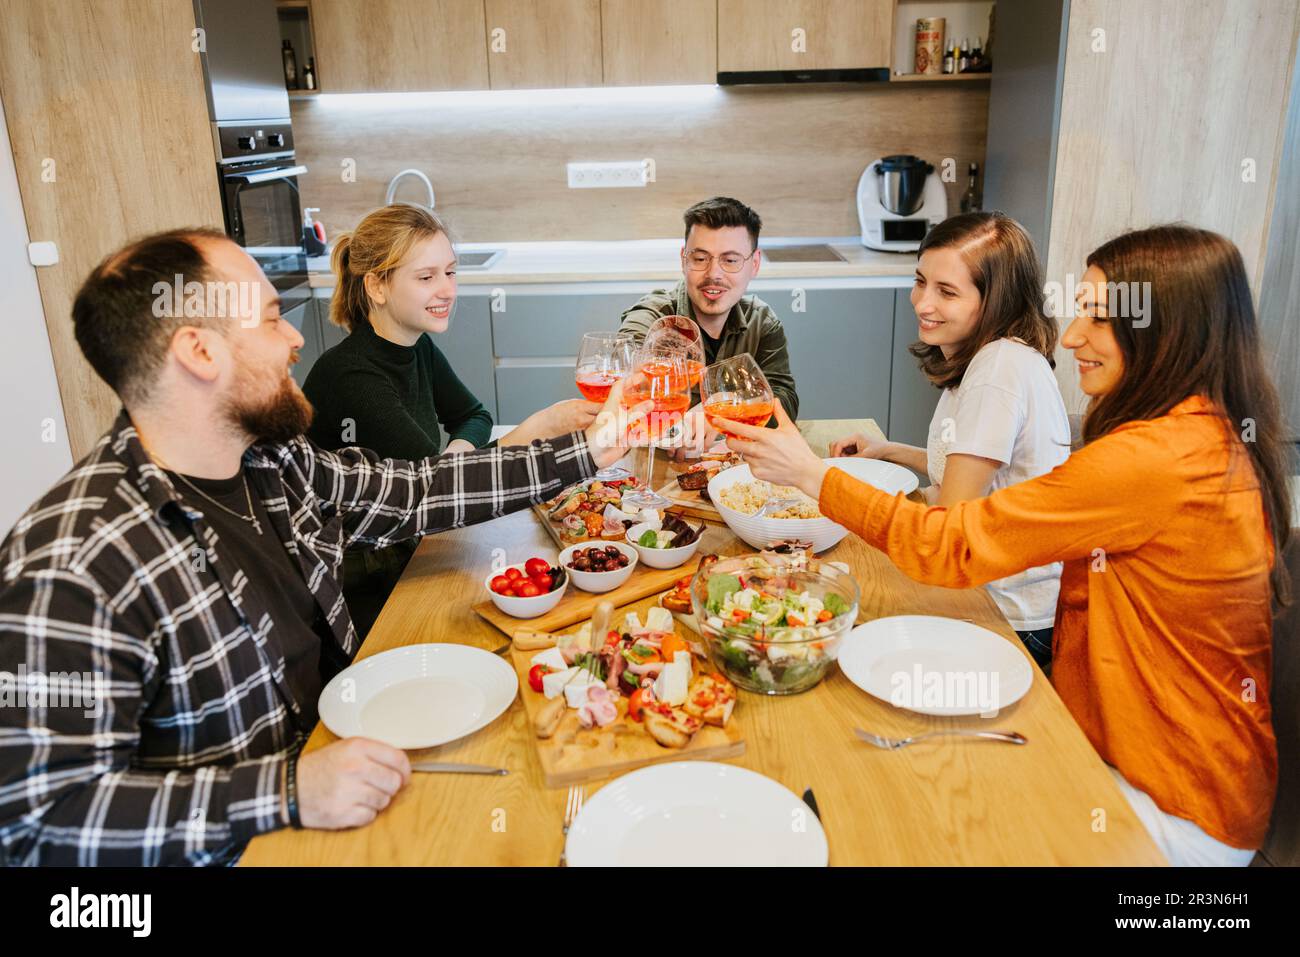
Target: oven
{"type": "Point", "coordinates": [259, 201]}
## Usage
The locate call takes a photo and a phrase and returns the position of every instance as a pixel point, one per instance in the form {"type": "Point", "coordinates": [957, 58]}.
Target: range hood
{"type": "Point", "coordinates": [767, 77]}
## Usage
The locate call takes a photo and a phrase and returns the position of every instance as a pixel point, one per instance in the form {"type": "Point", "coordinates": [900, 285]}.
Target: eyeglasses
{"type": "Point", "coordinates": [699, 260]}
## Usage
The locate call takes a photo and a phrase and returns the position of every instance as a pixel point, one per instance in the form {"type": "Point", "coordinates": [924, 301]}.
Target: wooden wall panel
{"type": "Point", "coordinates": [1156, 127]}
{"type": "Point", "coordinates": [111, 94]}
{"type": "Point", "coordinates": [498, 166]}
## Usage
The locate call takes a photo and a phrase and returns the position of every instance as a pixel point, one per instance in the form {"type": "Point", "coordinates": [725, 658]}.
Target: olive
{"type": "Point", "coordinates": [582, 565]}
{"type": "Point", "coordinates": [622, 561]}
{"type": "Point", "coordinates": [612, 551]}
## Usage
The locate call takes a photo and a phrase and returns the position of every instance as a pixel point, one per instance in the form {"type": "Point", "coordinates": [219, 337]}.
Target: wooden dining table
{"type": "Point", "coordinates": [947, 801]}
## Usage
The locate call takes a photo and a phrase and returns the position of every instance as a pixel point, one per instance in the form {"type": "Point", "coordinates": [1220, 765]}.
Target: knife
{"type": "Point", "coordinates": [811, 800]}
{"type": "Point", "coordinates": [433, 767]}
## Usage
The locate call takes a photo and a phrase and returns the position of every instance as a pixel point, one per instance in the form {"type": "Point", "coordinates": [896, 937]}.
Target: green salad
{"type": "Point", "coordinates": [769, 635]}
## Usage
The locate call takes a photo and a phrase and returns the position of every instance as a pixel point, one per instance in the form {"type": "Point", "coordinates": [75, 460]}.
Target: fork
{"type": "Point", "coordinates": [893, 744]}
{"type": "Point", "coordinates": [572, 807]}
{"type": "Point", "coordinates": [775, 505]}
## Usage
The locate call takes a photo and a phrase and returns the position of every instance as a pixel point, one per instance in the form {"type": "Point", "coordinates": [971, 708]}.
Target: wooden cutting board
{"type": "Point", "coordinates": [690, 504]}
{"type": "Point", "coordinates": [575, 754]}
{"type": "Point", "coordinates": [576, 606]}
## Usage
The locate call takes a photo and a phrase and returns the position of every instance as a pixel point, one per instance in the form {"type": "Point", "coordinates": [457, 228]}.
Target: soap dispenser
{"type": "Point", "coordinates": [313, 233]}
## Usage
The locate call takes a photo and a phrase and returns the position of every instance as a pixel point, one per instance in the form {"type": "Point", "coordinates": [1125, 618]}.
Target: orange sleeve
{"type": "Point", "coordinates": [1113, 495]}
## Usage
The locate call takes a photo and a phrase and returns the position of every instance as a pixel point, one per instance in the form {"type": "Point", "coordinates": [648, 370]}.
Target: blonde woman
{"type": "Point", "coordinates": [387, 387]}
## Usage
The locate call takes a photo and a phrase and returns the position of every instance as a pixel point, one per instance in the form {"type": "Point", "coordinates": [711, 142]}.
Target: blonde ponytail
{"type": "Point", "coordinates": [378, 245]}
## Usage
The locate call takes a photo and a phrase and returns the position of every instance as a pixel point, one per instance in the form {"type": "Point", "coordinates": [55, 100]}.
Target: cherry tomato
{"type": "Point", "coordinates": [634, 708]}
{"type": "Point", "coordinates": [536, 566]}
{"type": "Point", "coordinates": [501, 585]}
{"type": "Point", "coordinates": [613, 637]}
{"type": "Point", "coordinates": [542, 581]}
{"type": "Point", "coordinates": [527, 589]}
{"type": "Point", "coordinates": [514, 574]}
{"type": "Point", "coordinates": [535, 676]}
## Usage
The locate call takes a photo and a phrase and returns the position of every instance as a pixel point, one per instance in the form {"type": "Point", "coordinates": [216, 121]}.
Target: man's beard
{"type": "Point", "coordinates": [285, 415]}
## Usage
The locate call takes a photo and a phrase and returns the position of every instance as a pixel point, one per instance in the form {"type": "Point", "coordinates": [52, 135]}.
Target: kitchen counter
{"type": "Point", "coordinates": [649, 260]}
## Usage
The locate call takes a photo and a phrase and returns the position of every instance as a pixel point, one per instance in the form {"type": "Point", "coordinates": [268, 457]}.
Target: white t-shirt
{"type": "Point", "coordinates": [1008, 407]}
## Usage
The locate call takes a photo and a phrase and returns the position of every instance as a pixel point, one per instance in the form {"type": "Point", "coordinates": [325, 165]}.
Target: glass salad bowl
{"type": "Point", "coordinates": [773, 627]}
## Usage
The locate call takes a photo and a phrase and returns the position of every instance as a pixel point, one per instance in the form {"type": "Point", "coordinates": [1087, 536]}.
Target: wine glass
{"type": "Point", "coordinates": [670, 335]}
{"type": "Point", "coordinates": [603, 359]}
{"type": "Point", "coordinates": [736, 389]}
{"type": "Point", "coordinates": [661, 380]}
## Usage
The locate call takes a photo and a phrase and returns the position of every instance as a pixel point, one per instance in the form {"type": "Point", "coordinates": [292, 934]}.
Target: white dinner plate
{"type": "Point", "coordinates": [696, 814]}
{"type": "Point", "coordinates": [938, 666]}
{"type": "Point", "coordinates": [419, 696]}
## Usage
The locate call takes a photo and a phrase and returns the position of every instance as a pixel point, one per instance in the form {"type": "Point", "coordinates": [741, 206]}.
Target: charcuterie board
{"type": "Point", "coordinates": [572, 753]}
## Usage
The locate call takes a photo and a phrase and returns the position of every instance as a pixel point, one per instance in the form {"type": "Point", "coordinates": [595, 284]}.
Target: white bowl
{"type": "Point", "coordinates": [599, 581]}
{"type": "Point", "coordinates": [525, 607]}
{"type": "Point", "coordinates": [822, 532]}
{"type": "Point", "coordinates": [661, 557]}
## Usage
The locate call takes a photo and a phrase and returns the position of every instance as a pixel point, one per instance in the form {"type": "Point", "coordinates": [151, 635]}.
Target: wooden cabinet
{"type": "Point", "coordinates": [803, 34]}
{"type": "Point", "coordinates": [387, 46]}
{"type": "Point", "coordinates": [543, 44]}
{"type": "Point", "coordinates": [664, 42]}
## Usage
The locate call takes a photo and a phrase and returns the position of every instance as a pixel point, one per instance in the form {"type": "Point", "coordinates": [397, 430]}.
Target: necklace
{"type": "Point", "coordinates": [251, 517]}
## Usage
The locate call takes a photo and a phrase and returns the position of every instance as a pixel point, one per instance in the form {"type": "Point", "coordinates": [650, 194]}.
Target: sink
{"type": "Point", "coordinates": [479, 259]}
{"type": "Point", "coordinates": [801, 253]}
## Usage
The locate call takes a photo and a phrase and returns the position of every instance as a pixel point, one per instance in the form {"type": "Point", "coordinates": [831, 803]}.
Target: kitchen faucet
{"type": "Point", "coordinates": [392, 187]}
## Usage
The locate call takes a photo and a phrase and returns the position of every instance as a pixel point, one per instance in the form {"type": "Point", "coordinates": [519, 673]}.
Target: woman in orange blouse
{"type": "Point", "coordinates": [1170, 521]}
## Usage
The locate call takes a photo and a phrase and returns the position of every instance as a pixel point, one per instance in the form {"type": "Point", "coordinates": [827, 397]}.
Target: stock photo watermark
{"type": "Point", "coordinates": [180, 299]}
{"type": "Point", "coordinates": [85, 690]}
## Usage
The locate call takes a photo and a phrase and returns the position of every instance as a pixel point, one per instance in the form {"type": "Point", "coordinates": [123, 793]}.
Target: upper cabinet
{"type": "Point", "coordinates": [543, 44]}
{"type": "Point", "coordinates": [803, 34]}
{"type": "Point", "coordinates": [388, 46]}
{"type": "Point", "coordinates": [664, 42]}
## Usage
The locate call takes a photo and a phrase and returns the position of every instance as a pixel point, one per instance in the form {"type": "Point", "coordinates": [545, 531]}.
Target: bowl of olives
{"type": "Point", "coordinates": [599, 568]}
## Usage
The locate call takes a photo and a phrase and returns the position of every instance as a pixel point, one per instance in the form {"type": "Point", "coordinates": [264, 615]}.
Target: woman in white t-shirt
{"type": "Point", "coordinates": [987, 342]}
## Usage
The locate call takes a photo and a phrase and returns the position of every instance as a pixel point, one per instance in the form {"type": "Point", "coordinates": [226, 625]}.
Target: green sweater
{"type": "Point", "coordinates": [390, 398]}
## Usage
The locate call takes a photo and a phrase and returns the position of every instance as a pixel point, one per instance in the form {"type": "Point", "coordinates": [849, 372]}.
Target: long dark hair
{"type": "Point", "coordinates": [1005, 269]}
{"type": "Point", "coordinates": [1196, 335]}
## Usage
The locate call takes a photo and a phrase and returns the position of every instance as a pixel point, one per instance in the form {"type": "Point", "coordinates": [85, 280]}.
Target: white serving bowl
{"type": "Point", "coordinates": [526, 607]}
{"type": "Point", "coordinates": [599, 581]}
{"type": "Point", "coordinates": [822, 532]}
{"type": "Point", "coordinates": [661, 557]}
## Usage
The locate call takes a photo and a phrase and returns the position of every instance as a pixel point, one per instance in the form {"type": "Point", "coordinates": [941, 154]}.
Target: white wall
{"type": "Point", "coordinates": [31, 412]}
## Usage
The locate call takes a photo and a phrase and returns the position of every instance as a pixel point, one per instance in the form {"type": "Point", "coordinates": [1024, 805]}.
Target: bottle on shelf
{"type": "Point", "coordinates": [290, 66]}
{"type": "Point", "coordinates": [963, 61]}
{"type": "Point", "coordinates": [948, 61]}
{"type": "Point", "coordinates": [977, 57]}
{"type": "Point", "coordinates": [971, 200]}
{"type": "Point", "coordinates": [309, 74]}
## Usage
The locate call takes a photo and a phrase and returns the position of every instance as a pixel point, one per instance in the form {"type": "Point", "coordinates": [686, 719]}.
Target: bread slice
{"type": "Point", "coordinates": [711, 698]}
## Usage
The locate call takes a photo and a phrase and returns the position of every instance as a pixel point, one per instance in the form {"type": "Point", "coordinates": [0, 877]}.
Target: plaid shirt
{"type": "Point", "coordinates": [111, 574]}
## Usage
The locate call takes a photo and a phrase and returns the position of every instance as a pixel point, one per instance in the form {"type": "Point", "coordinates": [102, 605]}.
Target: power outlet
{"type": "Point", "coordinates": [622, 174]}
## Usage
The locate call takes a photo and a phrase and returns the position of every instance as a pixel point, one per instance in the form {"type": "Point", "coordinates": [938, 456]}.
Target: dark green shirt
{"type": "Point", "coordinates": [390, 398]}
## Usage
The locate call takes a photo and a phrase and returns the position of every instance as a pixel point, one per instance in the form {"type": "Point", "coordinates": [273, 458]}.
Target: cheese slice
{"type": "Point", "coordinates": [551, 658]}
{"type": "Point", "coordinates": [673, 681]}
{"type": "Point", "coordinates": [659, 619]}
{"type": "Point", "coordinates": [553, 684]}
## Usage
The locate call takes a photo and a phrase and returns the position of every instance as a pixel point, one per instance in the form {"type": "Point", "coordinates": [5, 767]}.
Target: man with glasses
{"type": "Point", "coordinates": [719, 259]}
